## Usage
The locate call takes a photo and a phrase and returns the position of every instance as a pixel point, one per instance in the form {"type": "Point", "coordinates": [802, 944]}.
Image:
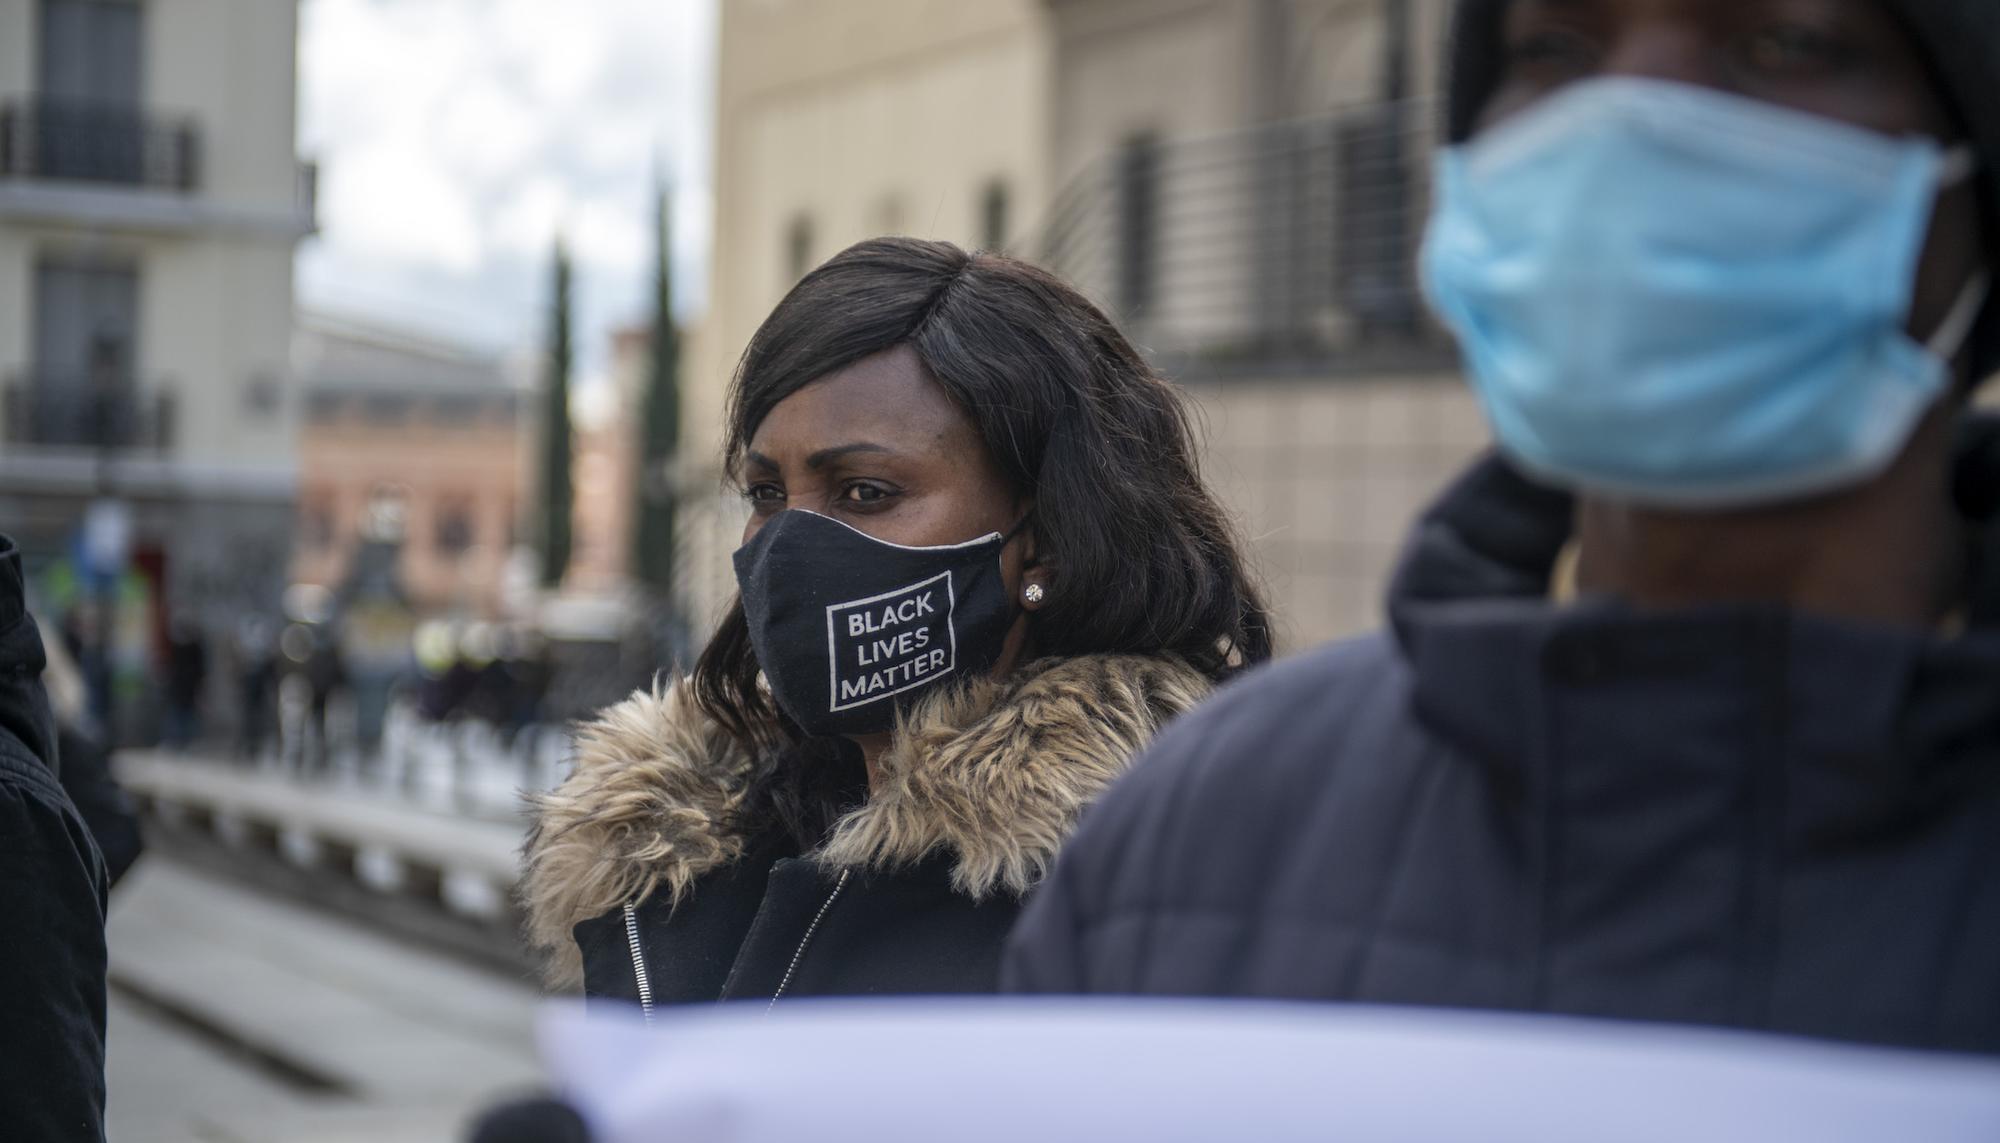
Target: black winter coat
{"type": "Point", "coordinates": [772, 925]}
{"type": "Point", "coordinates": [1737, 816]}
{"type": "Point", "coordinates": [106, 809]}
{"type": "Point", "coordinates": [641, 887]}
{"type": "Point", "coordinates": [52, 890]}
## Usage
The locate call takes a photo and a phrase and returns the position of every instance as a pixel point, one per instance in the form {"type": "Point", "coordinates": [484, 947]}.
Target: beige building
{"type": "Point", "coordinates": [151, 197]}
{"type": "Point", "coordinates": [433, 446]}
{"type": "Point", "coordinates": [415, 444]}
{"type": "Point", "coordinates": [1244, 182]}
{"type": "Point", "coordinates": [1172, 69]}
{"type": "Point", "coordinates": [837, 122]}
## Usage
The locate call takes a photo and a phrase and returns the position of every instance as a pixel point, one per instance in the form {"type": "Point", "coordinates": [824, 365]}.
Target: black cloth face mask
{"type": "Point", "coordinates": [849, 629]}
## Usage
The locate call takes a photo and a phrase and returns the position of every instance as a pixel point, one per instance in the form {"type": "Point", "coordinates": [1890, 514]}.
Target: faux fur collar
{"type": "Point", "coordinates": [994, 772]}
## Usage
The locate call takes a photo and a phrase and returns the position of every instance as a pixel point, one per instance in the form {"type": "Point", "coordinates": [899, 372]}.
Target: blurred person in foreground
{"type": "Point", "coordinates": [85, 770]}
{"type": "Point", "coordinates": [1717, 740]}
{"type": "Point", "coordinates": [52, 894]}
{"type": "Point", "coordinates": [980, 571]}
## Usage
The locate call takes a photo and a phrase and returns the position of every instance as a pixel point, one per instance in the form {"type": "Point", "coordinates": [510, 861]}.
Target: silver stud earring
{"type": "Point", "coordinates": [1034, 593]}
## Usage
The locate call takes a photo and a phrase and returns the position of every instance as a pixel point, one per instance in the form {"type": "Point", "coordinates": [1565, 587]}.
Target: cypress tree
{"type": "Point", "coordinates": [556, 491]}
{"type": "Point", "coordinates": [659, 425]}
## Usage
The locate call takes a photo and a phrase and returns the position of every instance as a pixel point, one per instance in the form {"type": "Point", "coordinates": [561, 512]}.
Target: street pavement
{"type": "Point", "coordinates": [240, 1017]}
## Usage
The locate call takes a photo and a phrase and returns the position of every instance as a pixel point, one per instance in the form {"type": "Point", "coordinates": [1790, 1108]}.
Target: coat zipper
{"type": "Point", "coordinates": [800, 953]}
{"type": "Point", "coordinates": [638, 963]}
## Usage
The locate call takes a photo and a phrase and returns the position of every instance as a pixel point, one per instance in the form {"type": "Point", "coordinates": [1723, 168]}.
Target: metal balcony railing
{"type": "Point", "coordinates": [98, 143]}
{"type": "Point", "coordinates": [76, 412]}
{"type": "Point", "coordinates": [1280, 248]}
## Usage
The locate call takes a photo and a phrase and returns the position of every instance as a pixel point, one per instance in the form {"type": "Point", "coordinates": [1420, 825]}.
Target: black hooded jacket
{"type": "Point", "coordinates": [52, 890]}
{"type": "Point", "coordinates": [1738, 816]}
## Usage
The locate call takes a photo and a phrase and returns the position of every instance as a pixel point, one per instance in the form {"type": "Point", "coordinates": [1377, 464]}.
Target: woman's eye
{"type": "Point", "coordinates": [864, 494]}
{"type": "Point", "coordinates": [764, 494]}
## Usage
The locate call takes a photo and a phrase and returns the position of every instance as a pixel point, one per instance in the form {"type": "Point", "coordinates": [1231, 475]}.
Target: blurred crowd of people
{"type": "Point", "coordinates": [288, 689]}
{"type": "Point", "coordinates": [491, 673]}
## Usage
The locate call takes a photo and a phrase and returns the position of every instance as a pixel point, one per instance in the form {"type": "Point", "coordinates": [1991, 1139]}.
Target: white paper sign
{"type": "Point", "coordinates": [1031, 1071]}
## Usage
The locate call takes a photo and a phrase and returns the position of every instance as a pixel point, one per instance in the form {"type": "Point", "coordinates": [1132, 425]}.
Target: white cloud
{"type": "Point", "coordinates": [529, 212]}
{"type": "Point", "coordinates": [457, 136]}
{"type": "Point", "coordinates": [489, 131]}
{"type": "Point", "coordinates": [394, 205]}
{"type": "Point", "coordinates": [614, 240]}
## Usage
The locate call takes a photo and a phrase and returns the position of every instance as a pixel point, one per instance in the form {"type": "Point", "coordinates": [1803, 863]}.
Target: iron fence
{"type": "Point", "coordinates": [1283, 247]}
{"type": "Point", "coordinates": [78, 412]}
{"type": "Point", "coordinates": [98, 143]}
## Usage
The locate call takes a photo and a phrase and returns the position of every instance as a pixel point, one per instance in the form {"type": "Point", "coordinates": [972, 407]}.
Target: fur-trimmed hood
{"type": "Point", "coordinates": [994, 772]}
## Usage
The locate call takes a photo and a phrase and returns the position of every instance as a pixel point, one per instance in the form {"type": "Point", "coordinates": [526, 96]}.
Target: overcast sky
{"type": "Point", "coordinates": [456, 136]}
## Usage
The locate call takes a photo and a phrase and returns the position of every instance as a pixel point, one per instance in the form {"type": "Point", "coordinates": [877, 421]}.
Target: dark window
{"type": "Point", "coordinates": [1138, 224]}
{"type": "Point", "coordinates": [87, 124]}
{"type": "Point", "coordinates": [263, 396]}
{"type": "Point", "coordinates": [457, 410]}
{"type": "Point", "coordinates": [86, 346]}
{"type": "Point", "coordinates": [454, 528]}
{"type": "Point", "coordinates": [387, 408]}
{"type": "Point", "coordinates": [317, 524]}
{"type": "Point", "coordinates": [993, 221]}
{"type": "Point", "coordinates": [799, 247]}
{"type": "Point", "coordinates": [323, 406]}
{"type": "Point", "coordinates": [92, 52]}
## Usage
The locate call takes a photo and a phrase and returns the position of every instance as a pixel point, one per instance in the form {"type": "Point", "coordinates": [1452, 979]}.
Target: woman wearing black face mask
{"type": "Point", "coordinates": [980, 571]}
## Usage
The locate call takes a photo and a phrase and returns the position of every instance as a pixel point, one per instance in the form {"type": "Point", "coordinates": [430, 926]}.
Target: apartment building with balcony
{"type": "Point", "coordinates": [151, 199]}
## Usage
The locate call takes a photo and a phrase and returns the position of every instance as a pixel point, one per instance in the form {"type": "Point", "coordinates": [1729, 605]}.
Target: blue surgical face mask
{"type": "Point", "coordinates": [1688, 299]}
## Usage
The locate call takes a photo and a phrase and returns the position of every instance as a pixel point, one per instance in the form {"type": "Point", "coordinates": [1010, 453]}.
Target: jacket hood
{"type": "Point", "coordinates": [994, 772]}
{"type": "Point", "coordinates": [1470, 611]}
{"type": "Point", "coordinates": [1496, 535]}
{"type": "Point", "coordinates": [24, 708]}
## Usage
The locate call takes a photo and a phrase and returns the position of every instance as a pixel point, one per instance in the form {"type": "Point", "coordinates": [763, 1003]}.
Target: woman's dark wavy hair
{"type": "Point", "coordinates": [1141, 558]}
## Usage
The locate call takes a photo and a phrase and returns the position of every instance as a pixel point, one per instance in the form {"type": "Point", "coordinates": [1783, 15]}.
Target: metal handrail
{"type": "Point", "coordinates": [1279, 245]}
{"type": "Point", "coordinates": [63, 410]}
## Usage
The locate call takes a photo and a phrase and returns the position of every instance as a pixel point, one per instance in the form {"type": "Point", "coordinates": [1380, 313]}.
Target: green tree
{"type": "Point", "coordinates": [555, 533]}
{"type": "Point", "coordinates": [659, 426]}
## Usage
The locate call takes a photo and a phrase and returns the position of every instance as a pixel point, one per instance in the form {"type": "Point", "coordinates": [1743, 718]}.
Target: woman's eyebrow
{"type": "Point", "coordinates": [818, 460]}
{"type": "Point", "coordinates": [827, 456]}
